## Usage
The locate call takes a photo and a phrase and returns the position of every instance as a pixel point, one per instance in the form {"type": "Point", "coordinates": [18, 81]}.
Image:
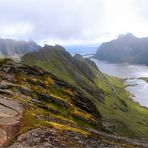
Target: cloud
{"type": "Point", "coordinates": [16, 30]}
{"type": "Point", "coordinates": [69, 21]}
{"type": "Point", "coordinates": [54, 19]}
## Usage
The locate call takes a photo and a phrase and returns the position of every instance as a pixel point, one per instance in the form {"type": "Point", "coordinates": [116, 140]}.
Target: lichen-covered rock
{"type": "Point", "coordinates": [50, 138]}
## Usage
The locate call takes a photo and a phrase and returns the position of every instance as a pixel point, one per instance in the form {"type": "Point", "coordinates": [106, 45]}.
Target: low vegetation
{"type": "Point", "coordinates": [120, 114]}
{"type": "Point", "coordinates": [39, 105]}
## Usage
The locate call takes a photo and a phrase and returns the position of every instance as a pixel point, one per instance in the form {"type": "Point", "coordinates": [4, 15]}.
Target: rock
{"type": "Point", "coordinates": [46, 145]}
{"type": "Point", "coordinates": [3, 137]}
{"type": "Point", "coordinates": [10, 115]}
{"type": "Point", "coordinates": [10, 104]}
{"type": "Point", "coordinates": [55, 100]}
{"type": "Point", "coordinates": [6, 85]}
{"type": "Point", "coordinates": [49, 137]}
{"type": "Point", "coordinates": [25, 90]}
{"type": "Point", "coordinates": [123, 109]}
{"type": "Point", "coordinates": [6, 92]}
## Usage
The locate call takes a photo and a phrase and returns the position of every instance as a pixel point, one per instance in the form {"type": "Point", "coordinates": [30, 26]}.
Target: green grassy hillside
{"type": "Point", "coordinates": [120, 115]}
{"type": "Point", "coordinates": [38, 109]}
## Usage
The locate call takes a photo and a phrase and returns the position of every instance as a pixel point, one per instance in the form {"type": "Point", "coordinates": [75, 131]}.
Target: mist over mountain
{"type": "Point", "coordinates": [126, 48]}
{"type": "Point", "coordinates": [14, 49]}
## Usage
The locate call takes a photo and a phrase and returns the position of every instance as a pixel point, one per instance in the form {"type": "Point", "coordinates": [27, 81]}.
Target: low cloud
{"type": "Point", "coordinates": [68, 21]}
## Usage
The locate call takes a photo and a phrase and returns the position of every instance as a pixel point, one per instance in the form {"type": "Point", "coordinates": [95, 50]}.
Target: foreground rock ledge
{"type": "Point", "coordinates": [50, 137]}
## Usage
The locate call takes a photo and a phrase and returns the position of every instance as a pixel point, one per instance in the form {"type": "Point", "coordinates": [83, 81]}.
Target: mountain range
{"type": "Point", "coordinates": [125, 49]}
{"type": "Point", "coordinates": [15, 49]}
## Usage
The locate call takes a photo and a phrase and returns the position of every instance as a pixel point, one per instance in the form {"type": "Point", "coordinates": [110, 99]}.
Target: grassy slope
{"type": "Point", "coordinates": [49, 101]}
{"type": "Point", "coordinates": [133, 121]}
{"type": "Point", "coordinates": [144, 78]}
{"type": "Point", "coordinates": [120, 114]}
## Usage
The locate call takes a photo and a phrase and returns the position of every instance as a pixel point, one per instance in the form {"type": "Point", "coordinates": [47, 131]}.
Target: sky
{"type": "Point", "coordinates": [72, 21]}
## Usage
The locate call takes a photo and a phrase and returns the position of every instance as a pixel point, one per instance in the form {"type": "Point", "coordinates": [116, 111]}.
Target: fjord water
{"type": "Point", "coordinates": [132, 73]}
{"type": "Point", "coordinates": [82, 49]}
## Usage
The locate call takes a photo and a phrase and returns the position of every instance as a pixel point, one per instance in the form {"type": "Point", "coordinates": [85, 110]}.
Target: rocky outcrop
{"type": "Point", "coordinates": [50, 137]}
{"type": "Point", "coordinates": [10, 117]}
{"type": "Point", "coordinates": [24, 88]}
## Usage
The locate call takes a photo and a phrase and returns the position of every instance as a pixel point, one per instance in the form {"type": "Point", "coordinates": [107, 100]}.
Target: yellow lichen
{"type": "Point", "coordinates": [85, 115]}
{"type": "Point", "coordinates": [69, 91]}
{"type": "Point", "coordinates": [65, 127]}
{"type": "Point", "coordinates": [49, 81]}
{"type": "Point", "coordinates": [34, 79]}
{"type": "Point", "coordinates": [62, 118]}
{"type": "Point", "coordinates": [35, 88]}
{"type": "Point", "coordinates": [26, 99]}
{"type": "Point", "coordinates": [57, 97]}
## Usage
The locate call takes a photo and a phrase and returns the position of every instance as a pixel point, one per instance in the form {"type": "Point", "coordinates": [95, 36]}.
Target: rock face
{"type": "Point", "coordinates": [49, 138]}
{"type": "Point", "coordinates": [126, 48]}
{"type": "Point", "coordinates": [10, 110]}
{"type": "Point", "coordinates": [15, 49]}
{"type": "Point", "coordinates": [10, 116]}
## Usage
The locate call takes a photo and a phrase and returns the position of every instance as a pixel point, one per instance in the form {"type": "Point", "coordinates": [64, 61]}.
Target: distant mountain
{"type": "Point", "coordinates": [126, 48]}
{"type": "Point", "coordinates": [15, 49]}
{"type": "Point", "coordinates": [107, 94]}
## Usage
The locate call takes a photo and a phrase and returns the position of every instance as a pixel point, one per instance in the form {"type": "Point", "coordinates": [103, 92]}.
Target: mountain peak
{"type": "Point", "coordinates": [127, 35]}
{"type": "Point", "coordinates": [59, 47]}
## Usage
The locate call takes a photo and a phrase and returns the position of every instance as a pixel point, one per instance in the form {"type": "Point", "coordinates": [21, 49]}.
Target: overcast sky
{"type": "Point", "coordinates": [72, 21]}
